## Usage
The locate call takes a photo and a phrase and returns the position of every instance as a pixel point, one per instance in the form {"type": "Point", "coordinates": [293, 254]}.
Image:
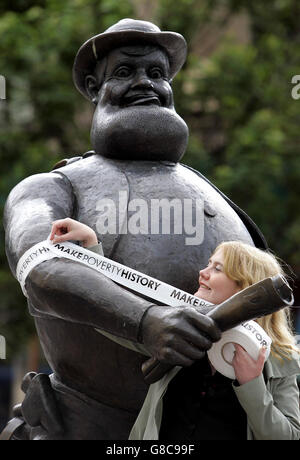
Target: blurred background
{"type": "Point", "coordinates": [235, 92]}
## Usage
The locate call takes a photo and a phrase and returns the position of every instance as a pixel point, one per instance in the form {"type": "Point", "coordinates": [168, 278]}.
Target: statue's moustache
{"type": "Point", "coordinates": [142, 132]}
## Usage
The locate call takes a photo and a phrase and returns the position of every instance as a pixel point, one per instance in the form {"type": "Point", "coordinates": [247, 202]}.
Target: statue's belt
{"type": "Point", "coordinates": [164, 293]}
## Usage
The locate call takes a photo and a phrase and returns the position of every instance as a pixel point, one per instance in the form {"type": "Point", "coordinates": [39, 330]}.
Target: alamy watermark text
{"type": "Point", "coordinates": [296, 89]}
{"type": "Point", "coordinates": [156, 216]}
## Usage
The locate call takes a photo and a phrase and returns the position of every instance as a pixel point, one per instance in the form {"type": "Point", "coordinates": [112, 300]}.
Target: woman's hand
{"type": "Point", "coordinates": [70, 229]}
{"type": "Point", "coordinates": [245, 367]}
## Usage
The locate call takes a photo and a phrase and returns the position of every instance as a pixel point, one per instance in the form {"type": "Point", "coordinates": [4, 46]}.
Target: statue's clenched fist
{"type": "Point", "coordinates": [178, 335]}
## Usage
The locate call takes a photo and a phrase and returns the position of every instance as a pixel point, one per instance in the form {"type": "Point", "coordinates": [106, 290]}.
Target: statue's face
{"type": "Point", "coordinates": [136, 80]}
{"type": "Point", "coordinates": [135, 118]}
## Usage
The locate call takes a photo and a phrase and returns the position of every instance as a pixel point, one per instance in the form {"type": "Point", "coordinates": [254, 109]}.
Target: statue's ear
{"type": "Point", "coordinates": [92, 88]}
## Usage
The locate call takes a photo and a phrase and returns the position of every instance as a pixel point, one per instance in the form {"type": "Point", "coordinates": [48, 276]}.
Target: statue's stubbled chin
{"type": "Point", "coordinates": [141, 132]}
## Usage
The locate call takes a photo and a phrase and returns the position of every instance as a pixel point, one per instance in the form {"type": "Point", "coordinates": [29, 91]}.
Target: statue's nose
{"type": "Point", "coordinates": [142, 81]}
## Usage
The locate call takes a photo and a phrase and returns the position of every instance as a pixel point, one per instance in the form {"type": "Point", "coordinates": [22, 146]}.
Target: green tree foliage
{"type": "Point", "coordinates": [236, 99]}
{"type": "Point", "coordinates": [243, 94]}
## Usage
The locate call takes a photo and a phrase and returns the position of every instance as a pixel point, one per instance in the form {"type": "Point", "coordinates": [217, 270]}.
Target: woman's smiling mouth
{"type": "Point", "coordinates": [203, 286]}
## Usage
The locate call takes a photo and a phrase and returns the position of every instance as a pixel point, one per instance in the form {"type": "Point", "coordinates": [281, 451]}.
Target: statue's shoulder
{"type": "Point", "coordinates": [69, 161]}
{"type": "Point", "coordinates": [257, 236]}
{"type": "Point", "coordinates": [42, 181]}
{"type": "Point", "coordinates": [79, 168]}
{"type": "Point", "coordinates": [88, 169]}
{"type": "Point", "coordinates": [37, 186]}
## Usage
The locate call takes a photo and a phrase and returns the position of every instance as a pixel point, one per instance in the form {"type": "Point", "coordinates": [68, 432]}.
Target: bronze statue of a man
{"type": "Point", "coordinates": [97, 385]}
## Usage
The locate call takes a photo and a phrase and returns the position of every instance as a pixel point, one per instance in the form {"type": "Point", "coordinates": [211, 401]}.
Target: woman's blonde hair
{"type": "Point", "coordinates": [247, 265]}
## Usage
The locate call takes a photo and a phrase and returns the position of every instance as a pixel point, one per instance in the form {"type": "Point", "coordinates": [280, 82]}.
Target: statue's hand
{"type": "Point", "coordinates": [178, 335]}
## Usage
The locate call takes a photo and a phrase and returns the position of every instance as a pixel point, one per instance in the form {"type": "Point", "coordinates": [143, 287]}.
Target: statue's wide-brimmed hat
{"type": "Point", "coordinates": [127, 31]}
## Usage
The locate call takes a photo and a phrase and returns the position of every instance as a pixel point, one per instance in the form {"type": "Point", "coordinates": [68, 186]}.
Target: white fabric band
{"type": "Point", "coordinates": [249, 335]}
{"type": "Point", "coordinates": [121, 274]}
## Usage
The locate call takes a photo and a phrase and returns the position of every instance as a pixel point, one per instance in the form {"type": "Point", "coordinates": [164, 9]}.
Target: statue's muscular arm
{"type": "Point", "coordinates": [72, 292]}
{"type": "Point", "coordinates": [58, 287]}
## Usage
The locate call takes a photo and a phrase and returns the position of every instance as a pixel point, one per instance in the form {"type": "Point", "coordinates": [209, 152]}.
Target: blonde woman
{"type": "Point", "coordinates": [198, 403]}
{"type": "Point", "coordinates": [201, 404]}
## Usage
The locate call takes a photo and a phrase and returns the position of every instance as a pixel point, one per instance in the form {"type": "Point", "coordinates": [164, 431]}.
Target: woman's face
{"type": "Point", "coordinates": [214, 284]}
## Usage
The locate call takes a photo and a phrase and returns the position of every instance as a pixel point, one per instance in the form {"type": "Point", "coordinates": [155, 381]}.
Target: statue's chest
{"type": "Point", "coordinates": [160, 219]}
{"type": "Point", "coordinates": [135, 190]}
